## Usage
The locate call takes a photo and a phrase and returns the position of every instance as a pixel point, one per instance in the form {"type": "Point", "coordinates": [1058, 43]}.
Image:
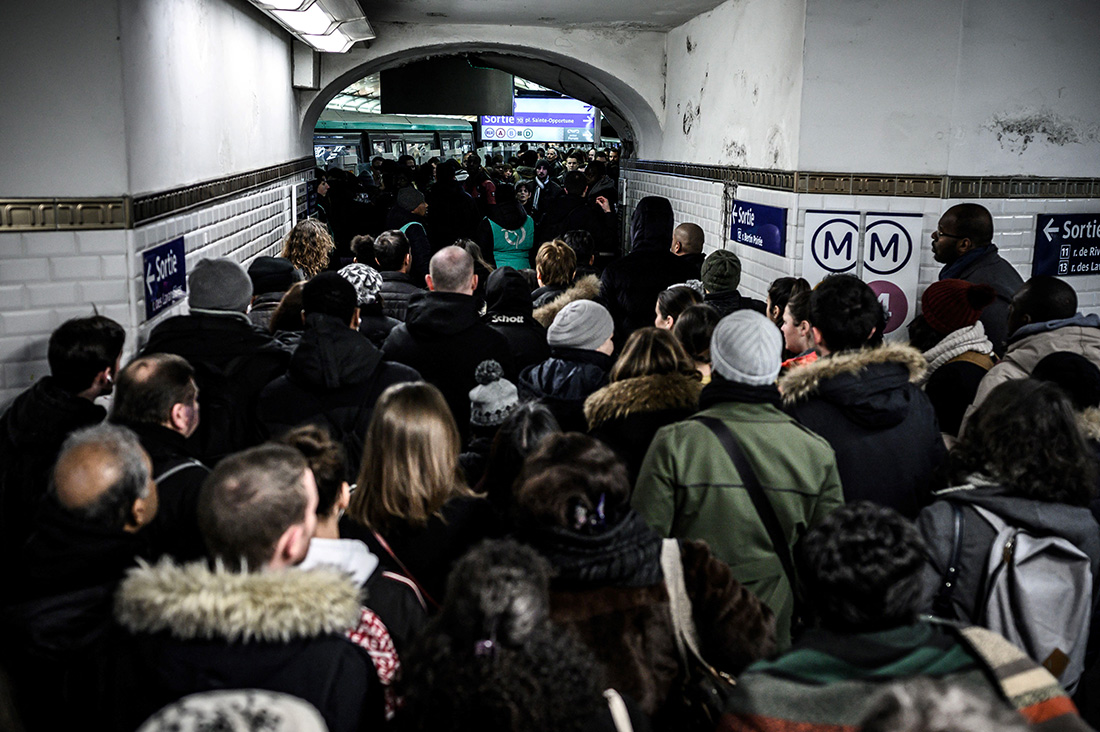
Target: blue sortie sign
{"type": "Point", "coordinates": [1066, 244]}
{"type": "Point", "coordinates": [759, 226]}
{"type": "Point", "coordinates": [165, 276]}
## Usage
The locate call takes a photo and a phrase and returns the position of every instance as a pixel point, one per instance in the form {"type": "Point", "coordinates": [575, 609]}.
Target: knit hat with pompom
{"type": "Point", "coordinates": [493, 398]}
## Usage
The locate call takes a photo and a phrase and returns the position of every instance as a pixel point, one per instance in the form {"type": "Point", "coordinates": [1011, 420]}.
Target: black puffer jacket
{"type": "Point", "coordinates": [233, 361]}
{"type": "Point", "coordinates": [334, 379]}
{"type": "Point", "coordinates": [867, 405]}
{"type": "Point", "coordinates": [31, 433]}
{"type": "Point", "coordinates": [630, 286]}
{"type": "Point", "coordinates": [397, 289]}
{"type": "Point", "coordinates": [444, 339]}
{"type": "Point", "coordinates": [509, 313]}
{"type": "Point", "coordinates": [563, 381]}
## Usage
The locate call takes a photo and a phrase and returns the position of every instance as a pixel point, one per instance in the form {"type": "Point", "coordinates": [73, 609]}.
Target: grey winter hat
{"type": "Point", "coordinates": [494, 397]}
{"type": "Point", "coordinates": [746, 348]}
{"type": "Point", "coordinates": [581, 324]}
{"type": "Point", "coordinates": [721, 271]}
{"type": "Point", "coordinates": [366, 279]}
{"type": "Point", "coordinates": [219, 284]}
{"type": "Point", "coordinates": [408, 198]}
{"type": "Point", "coordinates": [243, 710]}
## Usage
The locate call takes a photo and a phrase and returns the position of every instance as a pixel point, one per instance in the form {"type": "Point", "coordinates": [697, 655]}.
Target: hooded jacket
{"type": "Point", "coordinates": [563, 381]}
{"type": "Point", "coordinates": [508, 301]}
{"type": "Point", "coordinates": [193, 629]}
{"type": "Point", "coordinates": [31, 433]}
{"type": "Point", "coordinates": [585, 288]}
{"type": "Point", "coordinates": [334, 378]}
{"type": "Point", "coordinates": [233, 362]}
{"type": "Point", "coordinates": [625, 415]}
{"type": "Point", "coordinates": [444, 339]}
{"type": "Point", "coordinates": [867, 405]}
{"type": "Point", "coordinates": [630, 286]}
{"type": "Point", "coordinates": [1032, 343]}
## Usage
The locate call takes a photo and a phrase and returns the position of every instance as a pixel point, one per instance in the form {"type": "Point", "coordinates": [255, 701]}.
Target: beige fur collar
{"type": "Point", "coordinates": [1089, 422]}
{"type": "Point", "coordinates": [641, 394]}
{"type": "Point", "coordinates": [801, 382]}
{"type": "Point", "coordinates": [586, 288]}
{"type": "Point", "coordinates": [194, 602]}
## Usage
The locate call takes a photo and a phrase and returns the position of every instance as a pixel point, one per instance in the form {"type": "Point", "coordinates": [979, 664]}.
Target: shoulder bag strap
{"type": "Point", "coordinates": [683, 625]}
{"type": "Point", "coordinates": [760, 501]}
{"type": "Point", "coordinates": [619, 714]}
{"type": "Point", "coordinates": [941, 605]}
{"type": "Point", "coordinates": [382, 542]}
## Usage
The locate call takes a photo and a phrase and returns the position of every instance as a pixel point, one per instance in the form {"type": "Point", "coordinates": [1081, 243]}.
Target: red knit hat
{"type": "Point", "coordinates": [948, 305]}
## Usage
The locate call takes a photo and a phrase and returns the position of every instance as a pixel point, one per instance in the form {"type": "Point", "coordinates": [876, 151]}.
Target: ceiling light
{"type": "Point", "coordinates": [335, 42]}
{"type": "Point", "coordinates": [332, 26]}
{"type": "Point", "coordinates": [311, 21]}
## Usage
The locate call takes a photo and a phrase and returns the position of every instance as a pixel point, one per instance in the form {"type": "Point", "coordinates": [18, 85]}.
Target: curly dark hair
{"type": "Point", "coordinates": [847, 312]}
{"type": "Point", "coordinates": [862, 568]}
{"type": "Point", "coordinates": [1025, 436]}
{"type": "Point", "coordinates": [531, 676]}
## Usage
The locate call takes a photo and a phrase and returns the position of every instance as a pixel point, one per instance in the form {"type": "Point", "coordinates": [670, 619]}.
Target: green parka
{"type": "Point", "coordinates": [688, 488]}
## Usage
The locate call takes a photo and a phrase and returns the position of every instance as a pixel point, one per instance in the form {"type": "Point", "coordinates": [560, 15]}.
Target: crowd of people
{"type": "Point", "coordinates": [440, 477]}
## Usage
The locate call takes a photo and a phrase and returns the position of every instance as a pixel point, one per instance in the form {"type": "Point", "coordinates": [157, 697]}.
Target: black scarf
{"type": "Point", "coordinates": [721, 390]}
{"type": "Point", "coordinates": [626, 553]}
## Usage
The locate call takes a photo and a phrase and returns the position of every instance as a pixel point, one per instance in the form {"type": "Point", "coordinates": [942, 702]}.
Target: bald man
{"type": "Point", "coordinates": [58, 607]}
{"type": "Point", "coordinates": [687, 243]}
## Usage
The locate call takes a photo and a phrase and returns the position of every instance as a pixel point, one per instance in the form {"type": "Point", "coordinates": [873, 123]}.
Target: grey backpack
{"type": "Point", "coordinates": [1038, 594]}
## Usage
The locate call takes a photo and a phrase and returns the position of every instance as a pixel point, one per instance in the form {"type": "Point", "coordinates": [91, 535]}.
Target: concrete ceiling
{"type": "Point", "coordinates": [613, 14]}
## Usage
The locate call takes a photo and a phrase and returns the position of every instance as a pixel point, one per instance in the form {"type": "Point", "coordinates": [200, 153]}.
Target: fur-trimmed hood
{"type": "Point", "coordinates": [804, 381]}
{"type": "Point", "coordinates": [650, 393]}
{"type": "Point", "coordinates": [586, 288]}
{"type": "Point", "coordinates": [1089, 422]}
{"type": "Point", "coordinates": [195, 602]}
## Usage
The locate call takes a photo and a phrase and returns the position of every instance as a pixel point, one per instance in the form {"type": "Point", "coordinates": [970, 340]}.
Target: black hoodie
{"type": "Point", "coordinates": [630, 286]}
{"type": "Point", "coordinates": [509, 313]}
{"type": "Point", "coordinates": [334, 379]}
{"type": "Point", "coordinates": [444, 339]}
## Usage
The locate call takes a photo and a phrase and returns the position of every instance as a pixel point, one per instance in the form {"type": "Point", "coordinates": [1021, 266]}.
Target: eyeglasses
{"type": "Point", "coordinates": [937, 234]}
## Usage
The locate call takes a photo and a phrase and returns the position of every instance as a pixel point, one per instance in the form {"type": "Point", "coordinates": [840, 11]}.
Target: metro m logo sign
{"type": "Point", "coordinates": [889, 247]}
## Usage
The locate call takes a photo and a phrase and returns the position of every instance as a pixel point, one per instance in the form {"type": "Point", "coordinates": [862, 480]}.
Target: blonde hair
{"type": "Point", "coordinates": [410, 459]}
{"type": "Point", "coordinates": [652, 351]}
{"type": "Point", "coordinates": [555, 263]}
{"type": "Point", "coordinates": [307, 246]}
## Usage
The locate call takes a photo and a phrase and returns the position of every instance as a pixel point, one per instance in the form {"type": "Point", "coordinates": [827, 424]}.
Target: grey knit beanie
{"type": "Point", "coordinates": [408, 198]}
{"type": "Point", "coordinates": [746, 348]}
{"type": "Point", "coordinates": [721, 271]}
{"type": "Point", "coordinates": [219, 284]}
{"type": "Point", "coordinates": [581, 324]}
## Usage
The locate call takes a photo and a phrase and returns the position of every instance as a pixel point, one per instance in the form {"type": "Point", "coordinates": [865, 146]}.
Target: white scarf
{"type": "Point", "coordinates": [956, 343]}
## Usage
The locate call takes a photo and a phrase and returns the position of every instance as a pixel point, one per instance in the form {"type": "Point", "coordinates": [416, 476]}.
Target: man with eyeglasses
{"type": "Point", "coordinates": [963, 243]}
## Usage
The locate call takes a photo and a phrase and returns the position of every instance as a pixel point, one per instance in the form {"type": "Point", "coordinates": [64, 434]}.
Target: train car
{"type": "Point", "coordinates": [347, 137]}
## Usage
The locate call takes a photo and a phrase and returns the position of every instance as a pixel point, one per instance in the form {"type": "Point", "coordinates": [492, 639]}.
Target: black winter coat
{"type": "Point", "coordinates": [233, 362]}
{"type": "Point", "coordinates": [334, 379]}
{"type": "Point", "coordinates": [509, 313]}
{"type": "Point", "coordinates": [286, 634]}
{"type": "Point", "coordinates": [452, 214]}
{"type": "Point", "coordinates": [31, 433]}
{"type": "Point", "coordinates": [571, 212]}
{"type": "Point", "coordinates": [881, 425]}
{"type": "Point", "coordinates": [397, 289]}
{"type": "Point", "coordinates": [179, 476]}
{"type": "Point", "coordinates": [563, 381]}
{"type": "Point", "coordinates": [444, 339]}
{"type": "Point", "coordinates": [629, 287]}
{"type": "Point", "coordinates": [730, 302]}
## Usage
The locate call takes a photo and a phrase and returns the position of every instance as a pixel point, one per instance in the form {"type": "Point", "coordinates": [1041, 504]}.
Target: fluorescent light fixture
{"type": "Point", "coordinates": [331, 26]}
{"type": "Point", "coordinates": [312, 21]}
{"type": "Point", "coordinates": [335, 42]}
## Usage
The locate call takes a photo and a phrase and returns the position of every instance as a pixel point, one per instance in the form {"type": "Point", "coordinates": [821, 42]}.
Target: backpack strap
{"type": "Point", "coordinates": [764, 508]}
{"type": "Point", "coordinates": [419, 587]}
{"type": "Point", "coordinates": [941, 605]}
{"type": "Point", "coordinates": [978, 359]}
{"type": "Point", "coordinates": [186, 464]}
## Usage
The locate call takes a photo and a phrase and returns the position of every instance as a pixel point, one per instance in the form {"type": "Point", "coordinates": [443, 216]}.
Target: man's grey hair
{"type": "Point", "coordinates": [112, 509]}
{"type": "Point", "coordinates": [451, 269]}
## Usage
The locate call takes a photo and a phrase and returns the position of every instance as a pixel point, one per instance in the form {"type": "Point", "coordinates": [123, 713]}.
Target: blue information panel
{"type": "Point", "coordinates": [759, 226]}
{"type": "Point", "coordinates": [165, 276]}
{"type": "Point", "coordinates": [1066, 245]}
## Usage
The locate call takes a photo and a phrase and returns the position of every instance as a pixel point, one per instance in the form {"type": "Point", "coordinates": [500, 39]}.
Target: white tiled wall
{"type": "Point", "coordinates": [707, 203]}
{"type": "Point", "coordinates": [49, 277]}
